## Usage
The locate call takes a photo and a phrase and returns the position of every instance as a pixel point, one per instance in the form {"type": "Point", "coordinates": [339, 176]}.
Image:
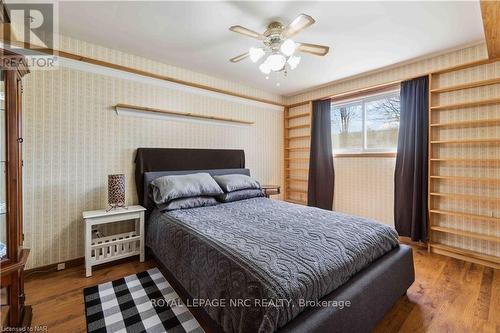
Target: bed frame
{"type": "Point", "coordinates": [371, 293]}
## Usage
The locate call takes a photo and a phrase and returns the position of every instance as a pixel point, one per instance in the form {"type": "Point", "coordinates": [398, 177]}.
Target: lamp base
{"type": "Point", "coordinates": [111, 207]}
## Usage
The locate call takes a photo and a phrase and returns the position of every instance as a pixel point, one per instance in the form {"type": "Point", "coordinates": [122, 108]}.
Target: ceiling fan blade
{"type": "Point", "coordinates": [319, 50]}
{"type": "Point", "coordinates": [240, 57]}
{"type": "Point", "coordinates": [247, 32]}
{"type": "Point", "coordinates": [300, 23]}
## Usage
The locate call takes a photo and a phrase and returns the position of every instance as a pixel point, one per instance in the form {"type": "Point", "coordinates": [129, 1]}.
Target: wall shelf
{"type": "Point", "coordinates": [464, 254]}
{"type": "Point", "coordinates": [296, 180]}
{"type": "Point", "coordinates": [296, 191]}
{"type": "Point", "coordinates": [297, 149]}
{"type": "Point", "coordinates": [295, 155]}
{"type": "Point", "coordinates": [301, 159]}
{"type": "Point", "coordinates": [469, 141]}
{"type": "Point", "coordinates": [298, 127]}
{"type": "Point", "coordinates": [467, 86]}
{"type": "Point", "coordinates": [299, 115]}
{"type": "Point", "coordinates": [297, 137]}
{"type": "Point", "coordinates": [452, 205]}
{"type": "Point", "coordinates": [140, 111]}
{"type": "Point", "coordinates": [468, 179]}
{"type": "Point", "coordinates": [466, 105]}
{"type": "Point", "coordinates": [469, 123]}
{"type": "Point", "coordinates": [467, 161]}
{"type": "Point", "coordinates": [298, 202]}
{"type": "Point", "coordinates": [465, 233]}
{"type": "Point", "coordinates": [464, 196]}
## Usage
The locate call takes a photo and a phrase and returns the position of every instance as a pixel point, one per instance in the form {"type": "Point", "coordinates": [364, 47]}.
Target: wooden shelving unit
{"type": "Point", "coordinates": [297, 139]}
{"type": "Point", "coordinates": [442, 181]}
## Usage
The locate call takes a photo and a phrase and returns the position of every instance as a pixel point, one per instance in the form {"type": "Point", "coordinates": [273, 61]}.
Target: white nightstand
{"type": "Point", "coordinates": [114, 247]}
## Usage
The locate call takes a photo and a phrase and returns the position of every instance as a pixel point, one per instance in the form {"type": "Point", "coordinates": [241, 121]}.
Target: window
{"type": "Point", "coordinates": [368, 124]}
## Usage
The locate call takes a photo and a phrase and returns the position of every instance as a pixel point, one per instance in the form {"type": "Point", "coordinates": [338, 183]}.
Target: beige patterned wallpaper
{"type": "Point", "coordinates": [74, 139]}
{"type": "Point", "coordinates": [365, 186]}
{"type": "Point", "coordinates": [394, 73]}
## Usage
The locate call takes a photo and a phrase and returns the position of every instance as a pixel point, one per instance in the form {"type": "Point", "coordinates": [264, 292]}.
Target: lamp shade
{"type": "Point", "coordinates": [116, 190]}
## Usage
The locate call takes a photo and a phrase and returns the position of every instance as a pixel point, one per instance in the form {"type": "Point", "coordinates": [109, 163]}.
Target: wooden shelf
{"type": "Point", "coordinates": [469, 123]}
{"type": "Point", "coordinates": [126, 109]}
{"type": "Point", "coordinates": [464, 66]}
{"type": "Point", "coordinates": [469, 141]}
{"type": "Point", "coordinates": [296, 180]}
{"type": "Point", "coordinates": [296, 169]}
{"type": "Point", "coordinates": [467, 255]}
{"type": "Point", "coordinates": [466, 215]}
{"type": "Point", "coordinates": [468, 179]}
{"type": "Point", "coordinates": [297, 137]}
{"type": "Point", "coordinates": [299, 115]}
{"type": "Point", "coordinates": [305, 159]}
{"type": "Point", "coordinates": [465, 233]}
{"type": "Point", "coordinates": [297, 127]}
{"type": "Point", "coordinates": [297, 149]}
{"type": "Point", "coordinates": [467, 86]}
{"type": "Point", "coordinates": [468, 110]}
{"type": "Point", "coordinates": [466, 105]}
{"type": "Point", "coordinates": [296, 191]}
{"type": "Point", "coordinates": [298, 202]}
{"type": "Point", "coordinates": [466, 161]}
{"type": "Point", "coordinates": [464, 196]}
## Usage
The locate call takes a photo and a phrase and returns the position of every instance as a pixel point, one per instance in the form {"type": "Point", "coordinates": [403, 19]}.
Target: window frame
{"type": "Point", "coordinates": [364, 151]}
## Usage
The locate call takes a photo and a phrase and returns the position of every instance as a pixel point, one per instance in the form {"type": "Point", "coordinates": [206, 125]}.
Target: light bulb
{"type": "Point", "coordinates": [293, 61]}
{"type": "Point", "coordinates": [275, 62]}
{"type": "Point", "coordinates": [288, 47]}
{"type": "Point", "coordinates": [256, 53]}
{"type": "Point", "coordinates": [264, 68]}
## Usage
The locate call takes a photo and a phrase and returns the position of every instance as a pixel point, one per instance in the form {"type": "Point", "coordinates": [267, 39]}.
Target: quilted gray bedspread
{"type": "Point", "coordinates": [272, 254]}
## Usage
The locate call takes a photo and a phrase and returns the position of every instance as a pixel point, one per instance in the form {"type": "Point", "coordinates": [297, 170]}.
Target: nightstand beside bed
{"type": "Point", "coordinates": [270, 190]}
{"type": "Point", "coordinates": [99, 250]}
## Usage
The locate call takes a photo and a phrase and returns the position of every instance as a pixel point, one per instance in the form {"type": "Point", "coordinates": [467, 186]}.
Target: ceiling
{"type": "Point", "coordinates": [363, 36]}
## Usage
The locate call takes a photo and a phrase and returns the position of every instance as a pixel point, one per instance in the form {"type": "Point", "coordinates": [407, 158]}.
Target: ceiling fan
{"type": "Point", "coordinates": [278, 45]}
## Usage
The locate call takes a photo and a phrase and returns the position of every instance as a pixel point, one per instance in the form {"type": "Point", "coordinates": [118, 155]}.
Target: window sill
{"type": "Point", "coordinates": [380, 154]}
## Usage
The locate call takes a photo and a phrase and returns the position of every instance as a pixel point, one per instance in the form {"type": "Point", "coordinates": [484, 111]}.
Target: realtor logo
{"type": "Point", "coordinates": [32, 32]}
{"type": "Point", "coordinates": [31, 26]}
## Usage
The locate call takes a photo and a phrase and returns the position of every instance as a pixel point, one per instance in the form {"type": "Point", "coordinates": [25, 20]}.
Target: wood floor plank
{"type": "Point", "coordinates": [57, 298]}
{"type": "Point", "coordinates": [449, 295]}
{"type": "Point", "coordinates": [494, 316]}
{"type": "Point", "coordinates": [428, 268]}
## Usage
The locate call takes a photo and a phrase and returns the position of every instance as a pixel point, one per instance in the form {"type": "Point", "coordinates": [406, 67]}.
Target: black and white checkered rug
{"type": "Point", "coordinates": [131, 304]}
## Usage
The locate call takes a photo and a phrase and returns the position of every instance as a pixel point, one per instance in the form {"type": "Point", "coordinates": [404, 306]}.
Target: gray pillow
{"type": "Point", "coordinates": [230, 183]}
{"type": "Point", "coordinates": [186, 203]}
{"type": "Point", "coordinates": [168, 188]}
{"type": "Point", "coordinates": [240, 195]}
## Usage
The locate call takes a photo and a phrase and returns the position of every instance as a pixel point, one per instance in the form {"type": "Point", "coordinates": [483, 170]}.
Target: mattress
{"type": "Point", "coordinates": [256, 264]}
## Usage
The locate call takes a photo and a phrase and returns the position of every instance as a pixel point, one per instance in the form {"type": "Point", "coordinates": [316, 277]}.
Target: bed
{"type": "Point", "coordinates": [262, 265]}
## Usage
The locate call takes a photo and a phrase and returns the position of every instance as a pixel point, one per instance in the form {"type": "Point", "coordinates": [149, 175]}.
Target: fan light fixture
{"type": "Point", "coordinates": [278, 45]}
{"type": "Point", "coordinates": [293, 61]}
{"type": "Point", "coordinates": [265, 68]}
{"type": "Point", "coordinates": [288, 47]}
{"type": "Point", "coordinates": [256, 53]}
{"type": "Point", "coordinates": [276, 62]}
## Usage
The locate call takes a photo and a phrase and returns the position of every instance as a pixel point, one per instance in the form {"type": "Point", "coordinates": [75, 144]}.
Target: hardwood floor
{"type": "Point", "coordinates": [449, 295]}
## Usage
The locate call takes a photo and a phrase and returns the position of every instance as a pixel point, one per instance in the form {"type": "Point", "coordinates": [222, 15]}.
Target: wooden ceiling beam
{"type": "Point", "coordinates": [490, 11]}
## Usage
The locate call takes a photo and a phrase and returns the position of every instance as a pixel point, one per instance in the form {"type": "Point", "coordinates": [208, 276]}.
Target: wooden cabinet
{"type": "Point", "coordinates": [13, 256]}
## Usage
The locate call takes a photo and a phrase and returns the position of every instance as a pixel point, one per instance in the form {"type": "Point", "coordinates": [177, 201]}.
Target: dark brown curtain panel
{"type": "Point", "coordinates": [321, 174]}
{"type": "Point", "coordinates": [410, 178]}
